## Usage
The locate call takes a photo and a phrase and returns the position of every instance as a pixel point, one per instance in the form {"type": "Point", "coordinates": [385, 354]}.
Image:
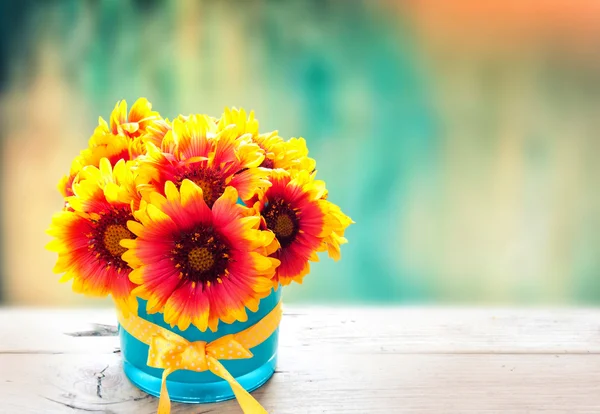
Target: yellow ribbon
{"type": "Point", "coordinates": [172, 352]}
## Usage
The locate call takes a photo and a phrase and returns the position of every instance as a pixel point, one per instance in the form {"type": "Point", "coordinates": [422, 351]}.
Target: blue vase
{"type": "Point", "coordinates": [202, 387]}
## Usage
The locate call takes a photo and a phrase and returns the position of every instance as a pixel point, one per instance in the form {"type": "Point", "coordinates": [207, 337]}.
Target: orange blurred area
{"type": "Point", "coordinates": [509, 23]}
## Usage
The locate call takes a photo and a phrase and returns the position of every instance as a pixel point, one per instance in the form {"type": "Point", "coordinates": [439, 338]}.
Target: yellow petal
{"type": "Point", "coordinates": [106, 169]}
{"type": "Point", "coordinates": [156, 214]}
{"type": "Point", "coordinates": [128, 243]}
{"type": "Point", "coordinates": [190, 191]}
{"type": "Point", "coordinates": [135, 227]}
{"type": "Point", "coordinates": [56, 246]}
{"type": "Point", "coordinates": [111, 192]}
{"type": "Point", "coordinates": [230, 194]}
{"type": "Point", "coordinates": [250, 222]}
{"type": "Point", "coordinates": [157, 200]}
{"type": "Point", "coordinates": [171, 192]}
{"type": "Point", "coordinates": [261, 263]}
{"type": "Point", "coordinates": [137, 277]}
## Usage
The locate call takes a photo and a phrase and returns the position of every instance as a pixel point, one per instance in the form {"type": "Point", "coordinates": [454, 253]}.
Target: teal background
{"type": "Point", "coordinates": [465, 152]}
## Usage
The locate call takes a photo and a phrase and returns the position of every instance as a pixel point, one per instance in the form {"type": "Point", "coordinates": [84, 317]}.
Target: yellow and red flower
{"type": "Point", "coordinates": [134, 123]}
{"type": "Point", "coordinates": [212, 159]}
{"type": "Point", "coordinates": [195, 264]}
{"type": "Point", "coordinates": [156, 132]}
{"type": "Point", "coordinates": [289, 155]}
{"type": "Point", "coordinates": [333, 241]}
{"type": "Point", "coordinates": [303, 221]}
{"type": "Point", "coordinates": [120, 140]}
{"type": "Point", "coordinates": [65, 185]}
{"type": "Point", "coordinates": [242, 123]}
{"type": "Point", "coordinates": [87, 237]}
{"type": "Point", "coordinates": [152, 210]}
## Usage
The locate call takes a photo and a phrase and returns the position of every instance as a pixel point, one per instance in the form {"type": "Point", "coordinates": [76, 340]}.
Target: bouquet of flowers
{"type": "Point", "coordinates": [201, 217]}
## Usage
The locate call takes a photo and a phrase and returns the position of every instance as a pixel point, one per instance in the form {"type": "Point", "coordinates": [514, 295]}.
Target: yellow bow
{"type": "Point", "coordinates": [172, 352]}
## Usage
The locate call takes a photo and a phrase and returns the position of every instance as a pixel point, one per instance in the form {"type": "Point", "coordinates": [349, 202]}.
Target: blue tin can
{"type": "Point", "coordinates": [202, 387]}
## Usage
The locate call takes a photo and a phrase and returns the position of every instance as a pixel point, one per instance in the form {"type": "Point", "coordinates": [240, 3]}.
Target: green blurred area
{"type": "Point", "coordinates": [472, 176]}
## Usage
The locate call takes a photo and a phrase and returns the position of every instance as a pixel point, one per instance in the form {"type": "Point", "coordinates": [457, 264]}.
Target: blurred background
{"type": "Point", "coordinates": [461, 136]}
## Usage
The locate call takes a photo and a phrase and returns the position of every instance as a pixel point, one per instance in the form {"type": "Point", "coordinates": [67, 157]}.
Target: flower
{"type": "Point", "coordinates": [332, 242]}
{"type": "Point", "coordinates": [114, 149]}
{"type": "Point", "coordinates": [132, 124]}
{"type": "Point", "coordinates": [156, 132]}
{"type": "Point", "coordinates": [242, 123]}
{"type": "Point", "coordinates": [119, 140]}
{"type": "Point", "coordinates": [195, 264]}
{"type": "Point", "coordinates": [195, 150]}
{"type": "Point", "coordinates": [87, 236]}
{"type": "Point", "coordinates": [289, 155]}
{"type": "Point", "coordinates": [294, 208]}
{"type": "Point", "coordinates": [202, 217]}
{"type": "Point", "coordinates": [65, 185]}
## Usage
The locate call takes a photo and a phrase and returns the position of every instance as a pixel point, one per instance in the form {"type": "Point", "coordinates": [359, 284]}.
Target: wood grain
{"type": "Point", "coordinates": [346, 360]}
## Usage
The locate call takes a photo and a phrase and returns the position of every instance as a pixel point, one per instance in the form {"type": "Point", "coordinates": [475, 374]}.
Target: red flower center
{"type": "Point", "coordinates": [281, 219]}
{"type": "Point", "coordinates": [107, 233]}
{"type": "Point", "coordinates": [267, 163]}
{"type": "Point", "coordinates": [202, 255]}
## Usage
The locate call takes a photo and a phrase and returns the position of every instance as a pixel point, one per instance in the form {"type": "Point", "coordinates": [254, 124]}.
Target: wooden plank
{"type": "Point", "coordinates": [309, 382]}
{"type": "Point", "coordinates": [346, 360]}
{"type": "Point", "coordinates": [47, 331]}
{"type": "Point", "coordinates": [360, 330]}
{"type": "Point", "coordinates": [439, 330]}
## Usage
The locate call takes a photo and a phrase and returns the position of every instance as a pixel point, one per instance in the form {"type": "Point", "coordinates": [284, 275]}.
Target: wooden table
{"type": "Point", "coordinates": [331, 360]}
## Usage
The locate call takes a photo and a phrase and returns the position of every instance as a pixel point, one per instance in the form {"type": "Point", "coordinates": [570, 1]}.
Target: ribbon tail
{"type": "Point", "coordinates": [164, 402]}
{"type": "Point", "coordinates": [247, 402]}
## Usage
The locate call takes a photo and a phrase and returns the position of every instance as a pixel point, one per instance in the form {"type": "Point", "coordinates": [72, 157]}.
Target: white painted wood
{"type": "Point", "coordinates": [346, 360]}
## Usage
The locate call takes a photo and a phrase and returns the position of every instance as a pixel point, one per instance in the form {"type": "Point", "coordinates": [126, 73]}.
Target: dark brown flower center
{"type": "Point", "coordinates": [201, 259]}
{"type": "Point", "coordinates": [282, 220]}
{"type": "Point", "coordinates": [284, 226]}
{"type": "Point", "coordinates": [113, 235]}
{"type": "Point", "coordinates": [211, 182]}
{"type": "Point", "coordinates": [202, 255]}
{"type": "Point", "coordinates": [106, 236]}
